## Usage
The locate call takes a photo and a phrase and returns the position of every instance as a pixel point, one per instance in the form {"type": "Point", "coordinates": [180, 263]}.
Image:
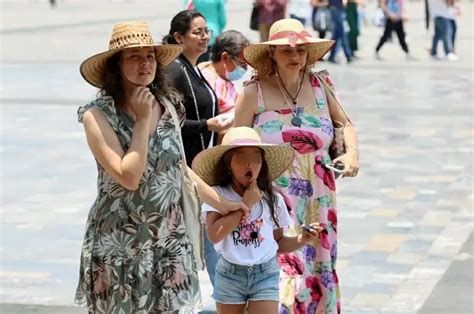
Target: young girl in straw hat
{"type": "Point", "coordinates": [242, 169]}
{"type": "Point", "coordinates": [137, 256]}
{"type": "Point", "coordinates": [288, 103]}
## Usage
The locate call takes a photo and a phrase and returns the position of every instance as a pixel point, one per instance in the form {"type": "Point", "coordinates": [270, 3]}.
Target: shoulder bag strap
{"type": "Point", "coordinates": [330, 93]}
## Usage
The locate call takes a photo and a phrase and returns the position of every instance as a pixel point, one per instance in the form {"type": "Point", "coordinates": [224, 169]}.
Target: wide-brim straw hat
{"type": "Point", "coordinates": [285, 32]}
{"type": "Point", "coordinates": [277, 156]}
{"type": "Point", "coordinates": [126, 35]}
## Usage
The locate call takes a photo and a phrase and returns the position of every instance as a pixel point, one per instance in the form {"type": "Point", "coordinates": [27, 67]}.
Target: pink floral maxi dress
{"type": "Point", "coordinates": [308, 279]}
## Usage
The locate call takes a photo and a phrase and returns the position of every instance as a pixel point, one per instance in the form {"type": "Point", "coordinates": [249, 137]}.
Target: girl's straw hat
{"type": "Point", "coordinates": [278, 157]}
{"type": "Point", "coordinates": [285, 32]}
{"type": "Point", "coordinates": [126, 35]}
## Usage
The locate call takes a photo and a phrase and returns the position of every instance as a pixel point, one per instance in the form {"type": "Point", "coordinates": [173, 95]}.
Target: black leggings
{"type": "Point", "coordinates": [398, 28]}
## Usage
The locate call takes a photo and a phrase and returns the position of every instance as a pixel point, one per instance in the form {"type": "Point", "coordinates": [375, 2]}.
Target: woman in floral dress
{"type": "Point", "coordinates": [136, 255]}
{"type": "Point", "coordinates": [286, 103]}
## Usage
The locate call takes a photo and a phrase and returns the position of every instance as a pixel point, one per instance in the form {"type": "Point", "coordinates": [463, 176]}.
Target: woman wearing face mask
{"type": "Point", "coordinates": [225, 68]}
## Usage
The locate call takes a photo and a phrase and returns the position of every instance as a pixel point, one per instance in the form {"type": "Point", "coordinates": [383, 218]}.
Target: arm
{"type": "Point", "coordinates": [210, 196]}
{"type": "Point", "coordinates": [125, 167]}
{"type": "Point", "coordinates": [218, 226]}
{"type": "Point", "coordinates": [290, 244]}
{"type": "Point", "coordinates": [351, 158]}
{"type": "Point", "coordinates": [246, 106]}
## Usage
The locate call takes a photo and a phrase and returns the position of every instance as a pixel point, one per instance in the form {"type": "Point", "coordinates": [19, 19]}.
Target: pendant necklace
{"type": "Point", "coordinates": [296, 120]}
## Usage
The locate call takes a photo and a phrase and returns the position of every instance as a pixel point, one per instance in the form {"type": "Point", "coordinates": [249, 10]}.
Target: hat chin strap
{"type": "Point", "coordinates": [152, 86]}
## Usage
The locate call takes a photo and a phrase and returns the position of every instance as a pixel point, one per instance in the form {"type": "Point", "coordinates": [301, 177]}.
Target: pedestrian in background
{"type": "Point", "coordinates": [203, 122]}
{"type": "Point", "coordinates": [339, 34]}
{"type": "Point", "coordinates": [247, 273]}
{"type": "Point", "coordinates": [289, 103]}
{"type": "Point", "coordinates": [354, 25]}
{"type": "Point", "coordinates": [321, 17]}
{"type": "Point", "coordinates": [214, 11]}
{"type": "Point", "coordinates": [394, 13]}
{"type": "Point", "coordinates": [443, 14]}
{"type": "Point", "coordinates": [270, 11]}
{"type": "Point", "coordinates": [300, 10]}
{"type": "Point", "coordinates": [136, 254]}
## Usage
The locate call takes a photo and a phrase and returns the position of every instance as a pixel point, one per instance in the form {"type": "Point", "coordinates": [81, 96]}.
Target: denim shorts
{"type": "Point", "coordinates": [237, 284]}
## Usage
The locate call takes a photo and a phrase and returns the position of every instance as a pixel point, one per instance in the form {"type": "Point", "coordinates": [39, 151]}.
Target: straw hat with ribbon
{"type": "Point", "coordinates": [282, 33]}
{"type": "Point", "coordinates": [278, 157]}
{"type": "Point", "coordinates": [126, 35]}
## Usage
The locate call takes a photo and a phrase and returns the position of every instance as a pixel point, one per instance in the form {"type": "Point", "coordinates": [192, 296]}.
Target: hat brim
{"type": "Point", "coordinates": [92, 68]}
{"type": "Point", "coordinates": [258, 55]}
{"type": "Point", "coordinates": [278, 158]}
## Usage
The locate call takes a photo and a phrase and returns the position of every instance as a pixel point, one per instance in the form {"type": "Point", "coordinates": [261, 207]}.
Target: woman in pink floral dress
{"type": "Point", "coordinates": [287, 103]}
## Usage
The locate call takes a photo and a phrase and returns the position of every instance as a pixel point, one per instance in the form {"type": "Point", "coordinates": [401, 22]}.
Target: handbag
{"type": "Point", "coordinates": [254, 18]}
{"type": "Point", "coordinates": [322, 21]}
{"type": "Point", "coordinates": [190, 202]}
{"type": "Point", "coordinates": [337, 147]}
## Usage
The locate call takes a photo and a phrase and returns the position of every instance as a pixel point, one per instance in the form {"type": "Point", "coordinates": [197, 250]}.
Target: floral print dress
{"type": "Point", "coordinates": [136, 256]}
{"type": "Point", "coordinates": [308, 279]}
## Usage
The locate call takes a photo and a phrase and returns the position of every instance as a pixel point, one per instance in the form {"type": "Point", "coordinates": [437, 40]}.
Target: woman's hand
{"type": "Point", "coordinates": [351, 162]}
{"type": "Point", "coordinates": [310, 233]}
{"type": "Point", "coordinates": [219, 123]}
{"type": "Point", "coordinates": [235, 206]}
{"type": "Point", "coordinates": [141, 102]}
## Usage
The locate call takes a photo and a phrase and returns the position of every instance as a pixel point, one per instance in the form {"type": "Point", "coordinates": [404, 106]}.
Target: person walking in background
{"type": "Point", "coordinates": [339, 35]}
{"type": "Point", "coordinates": [270, 11]}
{"type": "Point", "coordinates": [247, 273]}
{"type": "Point", "coordinates": [226, 67]}
{"type": "Point", "coordinates": [354, 24]}
{"type": "Point", "coordinates": [443, 15]}
{"type": "Point", "coordinates": [394, 12]}
{"type": "Point", "coordinates": [136, 254]}
{"type": "Point", "coordinates": [289, 103]}
{"type": "Point", "coordinates": [322, 27]}
{"type": "Point", "coordinates": [300, 10]}
{"type": "Point", "coordinates": [214, 11]}
{"type": "Point", "coordinates": [203, 122]}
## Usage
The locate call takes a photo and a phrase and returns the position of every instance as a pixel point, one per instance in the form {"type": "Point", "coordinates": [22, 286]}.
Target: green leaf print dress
{"type": "Point", "coordinates": [136, 256]}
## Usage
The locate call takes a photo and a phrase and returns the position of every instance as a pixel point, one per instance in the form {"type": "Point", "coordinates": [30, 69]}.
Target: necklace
{"type": "Point", "coordinates": [296, 120]}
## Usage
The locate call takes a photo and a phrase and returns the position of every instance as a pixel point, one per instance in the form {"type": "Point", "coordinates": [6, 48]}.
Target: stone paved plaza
{"type": "Point", "coordinates": [405, 223]}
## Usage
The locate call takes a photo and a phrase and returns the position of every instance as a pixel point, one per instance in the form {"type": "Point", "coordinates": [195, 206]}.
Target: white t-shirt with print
{"type": "Point", "coordinates": [252, 242]}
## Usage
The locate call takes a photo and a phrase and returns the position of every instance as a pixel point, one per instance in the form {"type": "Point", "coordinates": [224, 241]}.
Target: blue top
{"type": "Point", "coordinates": [215, 15]}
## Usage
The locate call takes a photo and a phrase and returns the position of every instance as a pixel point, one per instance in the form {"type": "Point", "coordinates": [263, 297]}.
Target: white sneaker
{"type": "Point", "coordinates": [435, 57]}
{"type": "Point", "coordinates": [377, 56]}
{"type": "Point", "coordinates": [452, 57]}
{"type": "Point", "coordinates": [410, 57]}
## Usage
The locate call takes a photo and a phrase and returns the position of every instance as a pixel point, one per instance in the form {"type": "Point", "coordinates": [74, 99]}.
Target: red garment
{"type": "Point", "coordinates": [271, 10]}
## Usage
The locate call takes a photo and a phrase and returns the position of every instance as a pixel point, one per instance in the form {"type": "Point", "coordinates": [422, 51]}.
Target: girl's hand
{"type": "Point", "coordinates": [252, 195]}
{"type": "Point", "coordinates": [310, 232]}
{"type": "Point", "coordinates": [351, 162]}
{"type": "Point", "coordinates": [141, 102]}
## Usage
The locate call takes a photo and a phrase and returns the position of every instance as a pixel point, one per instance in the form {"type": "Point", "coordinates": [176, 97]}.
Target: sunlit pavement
{"type": "Point", "coordinates": [404, 222]}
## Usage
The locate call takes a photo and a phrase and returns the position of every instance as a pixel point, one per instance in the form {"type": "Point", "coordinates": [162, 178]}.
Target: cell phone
{"type": "Point", "coordinates": [309, 228]}
{"type": "Point", "coordinates": [338, 168]}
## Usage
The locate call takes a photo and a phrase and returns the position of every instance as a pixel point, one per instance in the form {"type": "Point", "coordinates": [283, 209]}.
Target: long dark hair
{"type": "Point", "coordinates": [113, 82]}
{"type": "Point", "coordinates": [223, 176]}
{"type": "Point", "coordinates": [181, 23]}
